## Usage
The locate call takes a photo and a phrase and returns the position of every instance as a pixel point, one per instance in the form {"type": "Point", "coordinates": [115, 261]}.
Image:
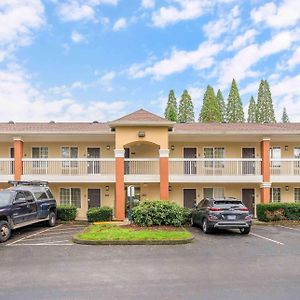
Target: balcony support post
{"type": "Point", "coordinates": [164, 173]}
{"type": "Point", "coordinates": [265, 171]}
{"type": "Point", "coordinates": [18, 153]}
{"type": "Point", "coordinates": [120, 187]}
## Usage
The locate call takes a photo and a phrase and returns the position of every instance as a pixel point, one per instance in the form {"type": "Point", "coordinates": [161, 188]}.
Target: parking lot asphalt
{"type": "Point", "coordinates": [225, 265]}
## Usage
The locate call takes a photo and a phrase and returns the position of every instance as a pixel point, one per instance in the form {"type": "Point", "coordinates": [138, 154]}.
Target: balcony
{"type": "Point", "coordinates": [215, 170]}
{"type": "Point", "coordinates": [6, 169]}
{"type": "Point", "coordinates": [285, 170]}
{"type": "Point", "coordinates": [69, 170]}
{"type": "Point", "coordinates": [141, 170]}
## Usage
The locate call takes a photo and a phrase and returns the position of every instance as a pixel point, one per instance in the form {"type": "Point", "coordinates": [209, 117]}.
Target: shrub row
{"type": "Point", "coordinates": [158, 212]}
{"type": "Point", "coordinates": [99, 214]}
{"type": "Point", "coordinates": [66, 212]}
{"type": "Point", "coordinates": [278, 211]}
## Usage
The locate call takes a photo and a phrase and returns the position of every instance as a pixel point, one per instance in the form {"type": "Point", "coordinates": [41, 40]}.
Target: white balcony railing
{"type": "Point", "coordinates": [69, 167]}
{"type": "Point", "coordinates": [141, 166]}
{"type": "Point", "coordinates": [215, 166]}
{"type": "Point", "coordinates": [6, 166]}
{"type": "Point", "coordinates": [285, 167]}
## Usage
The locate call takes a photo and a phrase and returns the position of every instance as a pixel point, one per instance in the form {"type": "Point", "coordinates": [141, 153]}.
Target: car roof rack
{"type": "Point", "coordinates": [29, 182]}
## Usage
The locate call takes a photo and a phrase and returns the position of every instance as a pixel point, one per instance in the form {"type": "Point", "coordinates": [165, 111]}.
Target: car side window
{"type": "Point", "coordinates": [20, 195]}
{"type": "Point", "coordinates": [200, 204]}
{"type": "Point", "coordinates": [40, 196]}
{"type": "Point", "coordinates": [206, 203]}
{"type": "Point", "coordinates": [29, 196]}
{"type": "Point", "coordinates": [50, 195]}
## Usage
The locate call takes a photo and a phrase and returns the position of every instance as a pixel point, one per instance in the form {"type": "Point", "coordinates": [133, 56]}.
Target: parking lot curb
{"type": "Point", "coordinates": [134, 242]}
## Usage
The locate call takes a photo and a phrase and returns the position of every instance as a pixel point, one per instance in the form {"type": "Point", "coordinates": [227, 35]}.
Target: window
{"type": "Point", "coordinates": [213, 192]}
{"type": "Point", "coordinates": [50, 195]}
{"type": "Point", "coordinates": [70, 196]}
{"type": "Point", "coordinates": [297, 194]}
{"type": "Point", "coordinates": [214, 152]}
{"type": "Point", "coordinates": [297, 162]}
{"type": "Point", "coordinates": [69, 152]}
{"type": "Point", "coordinates": [29, 196]}
{"type": "Point", "coordinates": [40, 196]}
{"type": "Point", "coordinates": [276, 194]}
{"type": "Point", "coordinates": [39, 153]}
{"type": "Point", "coordinates": [275, 155]}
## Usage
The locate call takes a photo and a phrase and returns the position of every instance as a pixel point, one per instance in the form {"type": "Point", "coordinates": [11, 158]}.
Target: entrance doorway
{"type": "Point", "coordinates": [190, 166]}
{"type": "Point", "coordinates": [93, 167]}
{"type": "Point", "coordinates": [248, 166]}
{"type": "Point", "coordinates": [12, 155]}
{"type": "Point", "coordinates": [137, 196]}
{"type": "Point", "coordinates": [189, 198]}
{"type": "Point", "coordinates": [248, 198]}
{"type": "Point", "coordinates": [94, 198]}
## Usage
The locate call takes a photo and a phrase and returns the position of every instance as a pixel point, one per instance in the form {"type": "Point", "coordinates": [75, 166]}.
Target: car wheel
{"type": "Point", "coordinates": [205, 227]}
{"type": "Point", "coordinates": [245, 230]}
{"type": "Point", "coordinates": [5, 231]}
{"type": "Point", "coordinates": [52, 219]}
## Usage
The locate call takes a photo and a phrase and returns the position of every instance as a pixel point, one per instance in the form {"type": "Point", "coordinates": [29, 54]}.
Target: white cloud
{"type": "Point", "coordinates": [243, 39]}
{"type": "Point", "coordinates": [77, 37]}
{"type": "Point", "coordinates": [180, 10]}
{"type": "Point", "coordinates": [179, 60]}
{"type": "Point", "coordinates": [108, 76]}
{"type": "Point", "coordinates": [81, 10]}
{"type": "Point", "coordinates": [120, 24]}
{"type": "Point", "coordinates": [197, 95]}
{"type": "Point", "coordinates": [295, 59]}
{"type": "Point", "coordinates": [148, 3]}
{"type": "Point", "coordinates": [285, 14]}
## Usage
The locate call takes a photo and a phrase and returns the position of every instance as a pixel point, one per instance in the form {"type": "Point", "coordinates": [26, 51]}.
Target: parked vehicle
{"type": "Point", "coordinates": [216, 213]}
{"type": "Point", "coordinates": [25, 203]}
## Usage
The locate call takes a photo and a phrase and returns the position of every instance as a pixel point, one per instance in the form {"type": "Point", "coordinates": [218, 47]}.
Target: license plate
{"type": "Point", "coordinates": [231, 217]}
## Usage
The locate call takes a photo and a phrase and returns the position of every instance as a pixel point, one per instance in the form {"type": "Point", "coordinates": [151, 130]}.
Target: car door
{"type": "Point", "coordinates": [197, 213]}
{"type": "Point", "coordinates": [20, 208]}
{"type": "Point", "coordinates": [31, 205]}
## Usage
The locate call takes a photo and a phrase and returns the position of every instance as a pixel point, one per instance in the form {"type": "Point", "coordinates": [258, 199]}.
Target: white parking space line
{"type": "Point", "coordinates": [291, 228]}
{"type": "Point", "coordinates": [29, 236]}
{"type": "Point", "coordinates": [41, 244]}
{"type": "Point", "coordinates": [265, 238]}
{"type": "Point", "coordinates": [59, 232]}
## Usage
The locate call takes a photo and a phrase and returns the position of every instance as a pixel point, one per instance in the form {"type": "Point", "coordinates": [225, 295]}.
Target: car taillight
{"type": "Point", "coordinates": [214, 209]}
{"type": "Point", "coordinates": [244, 209]}
{"type": "Point", "coordinates": [212, 218]}
{"type": "Point", "coordinates": [248, 218]}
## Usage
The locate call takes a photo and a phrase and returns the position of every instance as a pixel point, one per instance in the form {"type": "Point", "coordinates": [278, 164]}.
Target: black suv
{"type": "Point", "coordinates": [215, 213]}
{"type": "Point", "coordinates": [25, 203]}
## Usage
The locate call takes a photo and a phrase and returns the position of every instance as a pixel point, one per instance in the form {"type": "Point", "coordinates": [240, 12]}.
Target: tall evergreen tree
{"type": "Point", "coordinates": [186, 109]}
{"type": "Point", "coordinates": [285, 117]}
{"type": "Point", "coordinates": [171, 108]}
{"type": "Point", "coordinates": [210, 111]}
{"type": "Point", "coordinates": [252, 111]}
{"type": "Point", "coordinates": [235, 113]}
{"type": "Point", "coordinates": [264, 108]}
{"type": "Point", "coordinates": [222, 105]}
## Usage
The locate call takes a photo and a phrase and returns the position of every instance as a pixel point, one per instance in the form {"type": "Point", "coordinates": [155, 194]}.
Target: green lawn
{"type": "Point", "coordinates": [117, 233]}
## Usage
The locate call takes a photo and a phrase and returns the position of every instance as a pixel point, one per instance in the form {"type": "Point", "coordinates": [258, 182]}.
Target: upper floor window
{"type": "Point", "coordinates": [275, 155]}
{"type": "Point", "coordinates": [214, 152]}
{"type": "Point", "coordinates": [39, 152]}
{"type": "Point", "coordinates": [297, 152]}
{"type": "Point", "coordinates": [69, 152]}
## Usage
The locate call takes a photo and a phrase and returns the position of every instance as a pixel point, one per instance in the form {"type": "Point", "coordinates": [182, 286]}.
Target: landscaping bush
{"type": "Point", "coordinates": [66, 212]}
{"type": "Point", "coordinates": [278, 211]}
{"type": "Point", "coordinates": [159, 212]}
{"type": "Point", "coordinates": [99, 214]}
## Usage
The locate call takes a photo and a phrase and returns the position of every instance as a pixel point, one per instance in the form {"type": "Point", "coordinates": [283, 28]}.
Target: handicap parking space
{"type": "Point", "coordinates": [60, 235]}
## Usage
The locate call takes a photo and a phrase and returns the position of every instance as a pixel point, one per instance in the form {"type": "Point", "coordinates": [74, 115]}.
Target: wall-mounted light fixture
{"type": "Point", "coordinates": [107, 147]}
{"type": "Point", "coordinates": [172, 147]}
{"type": "Point", "coordinates": [287, 188]}
{"type": "Point", "coordinates": [170, 188]}
{"type": "Point", "coordinates": [107, 188]}
{"type": "Point", "coordinates": [141, 134]}
{"type": "Point", "coordinates": [286, 147]}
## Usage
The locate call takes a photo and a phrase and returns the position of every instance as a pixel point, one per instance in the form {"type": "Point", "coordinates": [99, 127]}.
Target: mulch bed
{"type": "Point", "coordinates": [154, 228]}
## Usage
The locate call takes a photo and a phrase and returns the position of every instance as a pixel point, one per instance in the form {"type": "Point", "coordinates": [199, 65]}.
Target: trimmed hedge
{"type": "Point", "coordinates": [66, 212]}
{"type": "Point", "coordinates": [278, 211]}
{"type": "Point", "coordinates": [99, 214]}
{"type": "Point", "coordinates": [159, 212]}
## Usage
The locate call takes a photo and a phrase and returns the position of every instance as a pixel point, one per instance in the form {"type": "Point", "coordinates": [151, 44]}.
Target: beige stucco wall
{"type": "Point", "coordinates": [286, 196]}
{"type": "Point", "coordinates": [5, 149]}
{"type": "Point", "coordinates": [143, 150]}
{"type": "Point", "coordinates": [54, 149]}
{"type": "Point", "coordinates": [232, 150]}
{"type": "Point", "coordinates": [156, 135]}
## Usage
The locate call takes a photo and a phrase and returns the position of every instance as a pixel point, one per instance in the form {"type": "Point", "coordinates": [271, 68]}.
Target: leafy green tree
{"type": "Point", "coordinates": [186, 109]}
{"type": "Point", "coordinates": [264, 108]}
{"type": "Point", "coordinates": [252, 111]}
{"type": "Point", "coordinates": [222, 105]}
{"type": "Point", "coordinates": [235, 113]}
{"type": "Point", "coordinates": [171, 108]}
{"type": "Point", "coordinates": [285, 117]}
{"type": "Point", "coordinates": [210, 111]}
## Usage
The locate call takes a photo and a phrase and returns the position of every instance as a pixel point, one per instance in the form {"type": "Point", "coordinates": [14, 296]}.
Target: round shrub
{"type": "Point", "coordinates": [158, 212]}
{"type": "Point", "coordinates": [66, 212]}
{"type": "Point", "coordinates": [99, 214]}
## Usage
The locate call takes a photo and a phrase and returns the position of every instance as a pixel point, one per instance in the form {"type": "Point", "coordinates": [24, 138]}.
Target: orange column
{"type": "Point", "coordinates": [265, 171]}
{"type": "Point", "coordinates": [164, 173]}
{"type": "Point", "coordinates": [18, 151]}
{"type": "Point", "coordinates": [120, 193]}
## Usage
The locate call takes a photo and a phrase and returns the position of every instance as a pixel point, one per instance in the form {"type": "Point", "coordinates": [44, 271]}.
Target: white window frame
{"type": "Point", "coordinates": [272, 197]}
{"type": "Point", "coordinates": [70, 196]}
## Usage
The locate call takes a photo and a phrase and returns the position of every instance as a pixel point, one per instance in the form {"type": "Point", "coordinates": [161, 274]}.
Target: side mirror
{"type": "Point", "coordinates": [20, 201]}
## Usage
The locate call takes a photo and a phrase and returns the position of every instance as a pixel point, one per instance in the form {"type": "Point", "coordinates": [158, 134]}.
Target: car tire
{"type": "Point", "coordinates": [52, 219]}
{"type": "Point", "coordinates": [206, 229]}
{"type": "Point", "coordinates": [5, 231]}
{"type": "Point", "coordinates": [245, 230]}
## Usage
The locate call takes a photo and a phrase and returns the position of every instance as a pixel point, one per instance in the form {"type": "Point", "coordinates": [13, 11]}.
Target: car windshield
{"type": "Point", "coordinates": [5, 198]}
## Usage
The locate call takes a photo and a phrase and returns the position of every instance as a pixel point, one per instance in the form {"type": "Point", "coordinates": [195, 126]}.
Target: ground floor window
{"type": "Point", "coordinates": [70, 196]}
{"type": "Point", "coordinates": [213, 192]}
{"type": "Point", "coordinates": [276, 194]}
{"type": "Point", "coordinates": [297, 194]}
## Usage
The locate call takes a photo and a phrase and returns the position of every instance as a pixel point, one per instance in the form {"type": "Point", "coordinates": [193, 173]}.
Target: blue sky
{"type": "Point", "coordinates": [84, 60]}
